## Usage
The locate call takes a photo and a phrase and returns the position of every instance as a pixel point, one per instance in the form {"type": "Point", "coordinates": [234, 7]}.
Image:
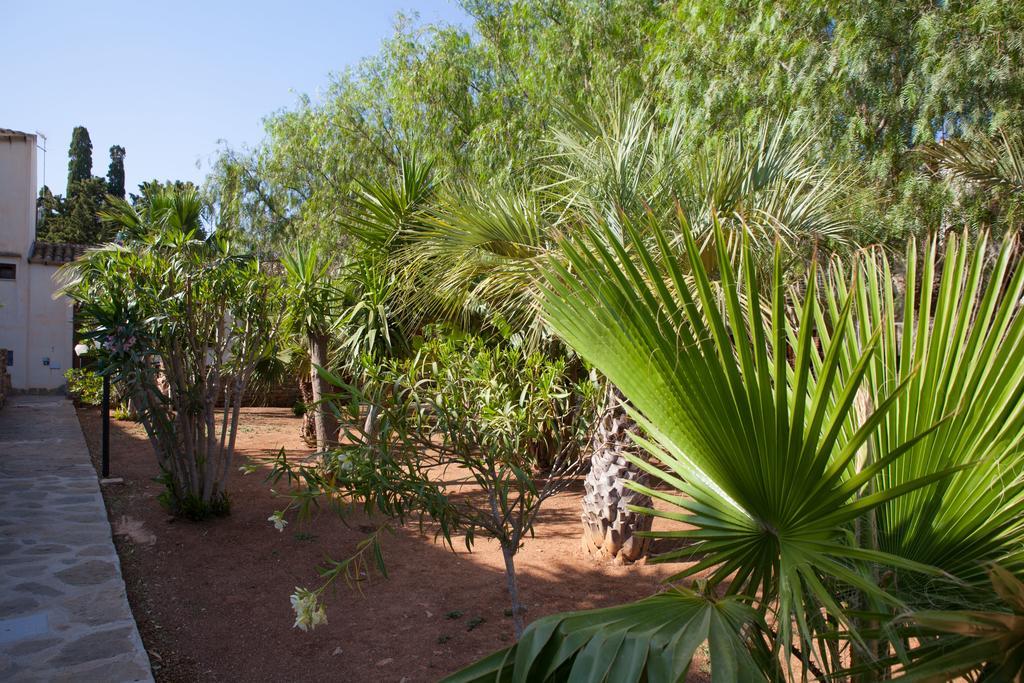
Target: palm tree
{"type": "Point", "coordinates": [480, 252]}
{"type": "Point", "coordinates": [991, 167]}
{"type": "Point", "coordinates": [314, 306]}
{"type": "Point", "coordinates": [992, 163]}
{"type": "Point", "coordinates": [751, 406]}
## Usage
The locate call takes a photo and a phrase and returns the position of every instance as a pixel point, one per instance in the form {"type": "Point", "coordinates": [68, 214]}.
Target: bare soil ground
{"type": "Point", "coordinates": [211, 598]}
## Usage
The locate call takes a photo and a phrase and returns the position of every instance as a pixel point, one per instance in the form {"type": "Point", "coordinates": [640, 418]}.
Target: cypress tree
{"type": "Point", "coordinates": [115, 173]}
{"type": "Point", "coordinates": [79, 159]}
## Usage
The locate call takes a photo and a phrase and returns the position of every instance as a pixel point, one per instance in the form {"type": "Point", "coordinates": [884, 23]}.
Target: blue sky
{"type": "Point", "coordinates": [168, 80]}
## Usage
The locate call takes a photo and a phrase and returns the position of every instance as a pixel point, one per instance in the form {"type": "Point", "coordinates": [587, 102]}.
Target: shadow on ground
{"type": "Point", "coordinates": [212, 603]}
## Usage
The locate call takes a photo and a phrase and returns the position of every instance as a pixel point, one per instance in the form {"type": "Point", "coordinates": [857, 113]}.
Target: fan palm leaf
{"type": "Point", "coordinates": [655, 639]}
{"type": "Point", "coordinates": [958, 348]}
{"type": "Point", "coordinates": [764, 185]}
{"type": "Point", "coordinates": [748, 425]}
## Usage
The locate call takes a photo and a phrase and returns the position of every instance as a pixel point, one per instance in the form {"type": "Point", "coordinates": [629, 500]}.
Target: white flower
{"type": "Point", "coordinates": [308, 613]}
{"type": "Point", "coordinates": [278, 519]}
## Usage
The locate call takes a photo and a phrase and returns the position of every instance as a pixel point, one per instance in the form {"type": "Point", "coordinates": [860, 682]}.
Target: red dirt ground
{"type": "Point", "coordinates": [211, 598]}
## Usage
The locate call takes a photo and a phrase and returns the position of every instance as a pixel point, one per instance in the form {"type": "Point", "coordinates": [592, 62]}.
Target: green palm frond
{"type": "Point", "coordinates": [385, 212]}
{"type": "Point", "coordinates": [315, 301]}
{"type": "Point", "coordinates": [765, 185]}
{"type": "Point", "coordinates": [479, 252]}
{"type": "Point", "coordinates": [611, 160]}
{"type": "Point", "coordinates": [655, 639]}
{"type": "Point", "coordinates": [370, 323]}
{"type": "Point", "coordinates": [990, 163]}
{"type": "Point", "coordinates": [982, 644]}
{"type": "Point", "coordinates": [172, 210]}
{"type": "Point", "coordinates": [958, 348]}
{"type": "Point", "coordinates": [748, 424]}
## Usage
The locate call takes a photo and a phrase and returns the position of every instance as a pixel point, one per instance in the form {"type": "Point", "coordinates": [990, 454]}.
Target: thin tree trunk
{"type": "Point", "coordinates": [513, 590]}
{"type": "Point", "coordinates": [308, 428]}
{"type": "Point", "coordinates": [323, 423]}
{"type": "Point", "coordinates": [609, 527]}
{"type": "Point", "coordinates": [370, 425]}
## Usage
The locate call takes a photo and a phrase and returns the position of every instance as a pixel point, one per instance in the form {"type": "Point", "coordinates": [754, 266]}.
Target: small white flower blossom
{"type": "Point", "coordinates": [278, 520]}
{"type": "Point", "coordinates": [308, 613]}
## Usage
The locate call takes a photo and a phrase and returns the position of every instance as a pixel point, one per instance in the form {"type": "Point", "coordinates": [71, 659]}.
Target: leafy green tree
{"type": "Point", "coordinates": [49, 208]}
{"type": "Point", "coordinates": [875, 80]}
{"type": "Point", "coordinates": [79, 159]}
{"type": "Point", "coordinates": [987, 180]}
{"type": "Point", "coordinates": [77, 219]}
{"type": "Point", "coordinates": [115, 172]}
{"type": "Point", "coordinates": [477, 253]}
{"type": "Point", "coordinates": [460, 404]}
{"type": "Point", "coordinates": [245, 199]}
{"type": "Point", "coordinates": [180, 323]}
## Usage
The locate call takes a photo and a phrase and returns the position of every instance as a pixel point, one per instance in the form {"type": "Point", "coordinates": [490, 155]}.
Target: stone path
{"type": "Point", "coordinates": [64, 615]}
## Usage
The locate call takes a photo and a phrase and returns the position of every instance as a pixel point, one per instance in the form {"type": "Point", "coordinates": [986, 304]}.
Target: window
{"type": "Point", "coordinates": [7, 271]}
{"type": "Point", "coordinates": [10, 358]}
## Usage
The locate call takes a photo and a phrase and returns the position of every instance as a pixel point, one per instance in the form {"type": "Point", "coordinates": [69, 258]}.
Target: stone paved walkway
{"type": "Point", "coordinates": [64, 615]}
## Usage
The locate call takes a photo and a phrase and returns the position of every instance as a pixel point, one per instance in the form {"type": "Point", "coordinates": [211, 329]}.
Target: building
{"type": "Point", "coordinates": [36, 329]}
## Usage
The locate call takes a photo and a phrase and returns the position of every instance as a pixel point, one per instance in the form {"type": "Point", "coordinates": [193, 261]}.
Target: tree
{"type": "Point", "coordinates": [478, 252]}
{"type": "Point", "coordinates": [151, 189]}
{"type": "Point", "coordinates": [874, 80]}
{"type": "Point", "coordinates": [79, 159]}
{"type": "Point", "coordinates": [49, 208]}
{"type": "Point", "coordinates": [180, 323]}
{"type": "Point", "coordinates": [244, 199]}
{"type": "Point", "coordinates": [77, 219]}
{"type": "Point", "coordinates": [314, 305]}
{"type": "Point", "coordinates": [115, 172]}
{"type": "Point", "coordinates": [986, 175]}
{"type": "Point", "coordinates": [461, 404]}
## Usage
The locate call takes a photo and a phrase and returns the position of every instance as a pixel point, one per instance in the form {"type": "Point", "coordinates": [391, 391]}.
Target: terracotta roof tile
{"type": "Point", "coordinates": [55, 253]}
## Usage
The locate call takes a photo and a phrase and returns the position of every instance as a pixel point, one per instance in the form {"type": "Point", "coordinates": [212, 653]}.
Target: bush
{"type": "Point", "coordinates": [85, 386]}
{"type": "Point", "coordinates": [180, 322]}
{"type": "Point", "coordinates": [512, 421]}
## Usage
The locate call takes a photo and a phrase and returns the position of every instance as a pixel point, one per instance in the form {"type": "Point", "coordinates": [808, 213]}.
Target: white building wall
{"type": "Point", "coordinates": [17, 194]}
{"type": "Point", "coordinates": [33, 325]}
{"type": "Point", "coordinates": [50, 327]}
{"type": "Point", "coordinates": [17, 230]}
{"type": "Point", "coordinates": [14, 311]}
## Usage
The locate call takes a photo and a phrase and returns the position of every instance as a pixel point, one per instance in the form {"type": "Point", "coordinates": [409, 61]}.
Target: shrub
{"type": "Point", "coordinates": [459, 405]}
{"type": "Point", "coordinates": [180, 323]}
{"type": "Point", "coordinates": [85, 386]}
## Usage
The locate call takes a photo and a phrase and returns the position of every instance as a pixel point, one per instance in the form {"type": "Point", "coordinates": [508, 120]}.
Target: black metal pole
{"type": "Point", "coordinates": [106, 427]}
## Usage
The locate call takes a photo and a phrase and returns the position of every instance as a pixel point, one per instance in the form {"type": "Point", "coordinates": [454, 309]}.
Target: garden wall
{"type": "Point", "coordinates": [283, 395]}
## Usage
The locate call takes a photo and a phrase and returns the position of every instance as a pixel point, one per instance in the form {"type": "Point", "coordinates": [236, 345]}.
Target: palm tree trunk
{"type": "Point", "coordinates": [609, 528]}
{"type": "Point", "coordinates": [322, 418]}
